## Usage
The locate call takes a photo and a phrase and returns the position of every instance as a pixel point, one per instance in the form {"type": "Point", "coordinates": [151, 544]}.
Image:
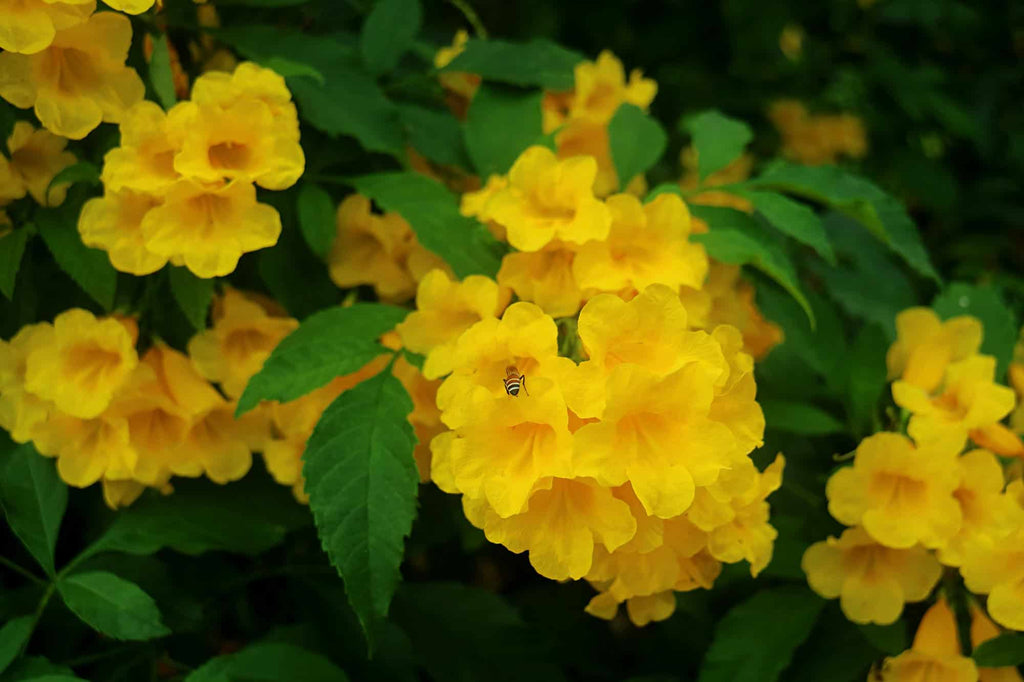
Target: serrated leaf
{"type": "Point", "coordinates": [89, 268]}
{"type": "Point", "coordinates": [637, 141]}
{"type": "Point", "coordinates": [12, 248]}
{"type": "Point", "coordinates": [388, 32]}
{"type": "Point", "coordinates": [985, 303]}
{"type": "Point", "coordinates": [1006, 650]}
{"type": "Point", "coordinates": [269, 662]}
{"type": "Point", "coordinates": [794, 219]}
{"type": "Point", "coordinates": [465, 633]}
{"type": "Point", "coordinates": [81, 172]}
{"type": "Point", "coordinates": [735, 238]}
{"type": "Point", "coordinates": [500, 125]}
{"type": "Point", "coordinates": [718, 139]}
{"type": "Point", "coordinates": [536, 63]}
{"type": "Point", "coordinates": [328, 344]}
{"type": "Point", "coordinates": [316, 212]}
{"type": "Point", "coordinates": [433, 213]}
{"type": "Point", "coordinates": [856, 197]}
{"type": "Point", "coordinates": [160, 75]}
{"type": "Point", "coordinates": [193, 295]}
{"type": "Point", "coordinates": [755, 641]}
{"type": "Point", "coordinates": [112, 605]}
{"type": "Point", "coordinates": [362, 482]}
{"type": "Point", "coordinates": [34, 499]}
{"type": "Point", "coordinates": [802, 418]}
{"type": "Point", "coordinates": [13, 636]}
{"type": "Point", "coordinates": [437, 135]}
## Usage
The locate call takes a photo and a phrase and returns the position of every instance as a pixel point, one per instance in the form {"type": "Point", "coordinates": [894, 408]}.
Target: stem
{"type": "Point", "coordinates": [50, 589]}
{"type": "Point", "coordinates": [24, 572]}
{"type": "Point", "coordinates": [471, 16]}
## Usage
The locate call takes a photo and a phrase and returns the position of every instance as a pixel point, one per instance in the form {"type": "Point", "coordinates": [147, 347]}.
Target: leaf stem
{"type": "Point", "coordinates": [472, 17]}
{"type": "Point", "coordinates": [24, 572]}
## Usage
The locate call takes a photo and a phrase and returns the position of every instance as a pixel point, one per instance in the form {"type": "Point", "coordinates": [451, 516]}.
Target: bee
{"type": "Point", "coordinates": [514, 381]}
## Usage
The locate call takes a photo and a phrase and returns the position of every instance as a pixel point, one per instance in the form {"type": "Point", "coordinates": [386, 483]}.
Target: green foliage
{"type": "Point", "coordinates": [12, 248]}
{"type": "Point", "coordinates": [193, 295]}
{"type": "Point", "coordinates": [1005, 650]}
{"type": "Point", "coordinates": [34, 500]}
{"type": "Point", "coordinates": [82, 172]}
{"type": "Point", "coordinates": [388, 32]}
{"type": "Point", "coordinates": [986, 304]}
{"type": "Point", "coordinates": [112, 605]}
{"type": "Point", "coordinates": [538, 62]}
{"type": "Point", "coordinates": [13, 636]}
{"type": "Point", "coordinates": [269, 662]}
{"type": "Point", "coordinates": [500, 124]}
{"type": "Point", "coordinates": [316, 212]}
{"type": "Point", "coordinates": [718, 139]}
{"type": "Point", "coordinates": [801, 418]}
{"type": "Point", "coordinates": [637, 142]}
{"type": "Point", "coordinates": [795, 220]}
{"type": "Point", "coordinates": [435, 134]}
{"type": "Point", "coordinates": [90, 268]}
{"type": "Point", "coordinates": [362, 485]}
{"type": "Point", "coordinates": [329, 344]}
{"type": "Point", "coordinates": [160, 75]}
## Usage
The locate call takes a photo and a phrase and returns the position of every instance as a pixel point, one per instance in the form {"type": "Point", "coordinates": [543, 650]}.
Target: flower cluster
{"type": "Point", "coordinates": [816, 139]}
{"type": "Point", "coordinates": [915, 504]}
{"type": "Point", "coordinates": [181, 187]}
{"type": "Point", "coordinates": [629, 469]}
{"type": "Point", "coordinates": [35, 156]}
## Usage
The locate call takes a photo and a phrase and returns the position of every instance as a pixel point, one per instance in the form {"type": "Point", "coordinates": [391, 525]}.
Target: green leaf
{"type": "Point", "coordinates": [985, 303]}
{"type": "Point", "coordinates": [756, 639]}
{"type": "Point", "coordinates": [13, 636]}
{"type": "Point", "coordinates": [536, 63]}
{"type": "Point", "coordinates": [56, 677]}
{"type": "Point", "coordinates": [437, 135]}
{"type": "Point", "coordinates": [328, 344]}
{"type": "Point", "coordinates": [866, 382]}
{"type": "Point", "coordinates": [500, 125]}
{"type": "Point", "coordinates": [34, 499]}
{"type": "Point", "coordinates": [856, 197]}
{"type": "Point", "coordinates": [718, 139]}
{"type": "Point", "coordinates": [891, 640]}
{"type": "Point", "coordinates": [112, 605]}
{"type": "Point", "coordinates": [836, 652]}
{"type": "Point", "coordinates": [1006, 650]}
{"type": "Point", "coordinates": [160, 75]}
{"type": "Point", "coordinates": [81, 172]}
{"type": "Point", "coordinates": [637, 142]}
{"type": "Point", "coordinates": [362, 483]}
{"type": "Point", "coordinates": [388, 32]}
{"type": "Point", "coordinates": [433, 213]}
{"type": "Point", "coordinates": [802, 418]}
{"type": "Point", "coordinates": [193, 295]}
{"type": "Point", "coordinates": [316, 212]}
{"type": "Point", "coordinates": [12, 248]}
{"type": "Point", "coordinates": [89, 268]}
{"type": "Point", "coordinates": [35, 668]}
{"type": "Point", "coordinates": [202, 517]}
{"type": "Point", "coordinates": [465, 633]}
{"type": "Point", "coordinates": [735, 238]}
{"type": "Point", "coordinates": [269, 662]}
{"type": "Point", "coordinates": [794, 219]}
{"type": "Point", "coordinates": [288, 68]}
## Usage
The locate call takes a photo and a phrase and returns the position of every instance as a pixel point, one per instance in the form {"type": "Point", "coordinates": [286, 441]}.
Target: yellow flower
{"type": "Point", "coordinates": [445, 309]}
{"type": "Point", "coordinates": [210, 227]}
{"type": "Point", "coordinates": [379, 250]}
{"type": "Point", "coordinates": [563, 520]}
{"type": "Point", "coordinates": [549, 199]}
{"type": "Point", "coordinates": [996, 568]}
{"type": "Point", "coordinates": [982, 630]}
{"type": "Point", "coordinates": [130, 6]}
{"type": "Point", "coordinates": [252, 85]}
{"type": "Point", "coordinates": [872, 581]}
{"type": "Point", "coordinates": [647, 244]}
{"type": "Point", "coordinates": [901, 494]}
{"type": "Point", "coordinates": [241, 339]}
{"type": "Point", "coordinates": [935, 654]}
{"type": "Point", "coordinates": [36, 157]}
{"type": "Point", "coordinates": [425, 417]}
{"type": "Point", "coordinates": [738, 170]}
{"type": "Point", "coordinates": [145, 160]}
{"type": "Point", "coordinates": [87, 449]}
{"type": "Point", "coordinates": [80, 363]}
{"type": "Point", "coordinates": [817, 139]}
{"type": "Point", "coordinates": [78, 81]}
{"type": "Point", "coordinates": [544, 277]}
{"type": "Point", "coordinates": [30, 26]}
{"type": "Point", "coordinates": [968, 401]}
{"type": "Point", "coordinates": [925, 346]}
{"type": "Point", "coordinates": [731, 302]}
{"type": "Point", "coordinates": [113, 223]}
{"type": "Point", "coordinates": [21, 412]}
{"type": "Point", "coordinates": [601, 86]}
{"type": "Point", "coordinates": [118, 493]}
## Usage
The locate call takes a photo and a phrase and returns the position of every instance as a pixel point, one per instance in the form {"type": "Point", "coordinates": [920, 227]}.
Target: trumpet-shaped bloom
{"type": "Point", "coordinates": [87, 449]}
{"type": "Point", "coordinates": [647, 245]}
{"type": "Point", "coordinates": [872, 581]}
{"type": "Point", "coordinates": [445, 309]}
{"type": "Point", "coordinates": [113, 223]}
{"type": "Point", "coordinates": [21, 412]}
{"type": "Point", "coordinates": [80, 363]}
{"type": "Point", "coordinates": [935, 654]}
{"type": "Point", "coordinates": [210, 227]}
{"type": "Point", "coordinates": [240, 341]}
{"type": "Point", "coordinates": [970, 400]}
{"type": "Point", "coordinates": [36, 157]}
{"type": "Point", "coordinates": [145, 159]}
{"type": "Point", "coordinates": [901, 494]}
{"type": "Point", "coordinates": [817, 139]}
{"type": "Point", "coordinates": [982, 630]}
{"type": "Point", "coordinates": [925, 346]}
{"type": "Point", "coordinates": [585, 137]}
{"type": "Point", "coordinates": [559, 526]}
{"type": "Point", "coordinates": [550, 199]}
{"type": "Point", "coordinates": [544, 277]}
{"type": "Point", "coordinates": [30, 26]}
{"type": "Point", "coordinates": [78, 81]}
{"type": "Point", "coordinates": [988, 514]}
{"type": "Point", "coordinates": [601, 86]}
{"type": "Point", "coordinates": [997, 569]}
{"type": "Point", "coordinates": [249, 83]}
